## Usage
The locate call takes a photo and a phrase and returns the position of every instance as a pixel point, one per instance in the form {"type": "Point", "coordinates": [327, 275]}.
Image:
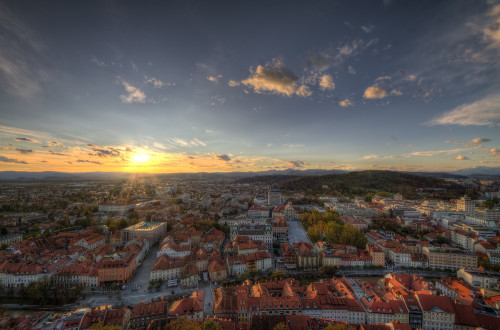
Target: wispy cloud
{"type": "Point", "coordinates": [96, 61]}
{"type": "Point", "coordinates": [134, 94]}
{"type": "Point", "coordinates": [11, 160]}
{"type": "Point", "coordinates": [21, 73]}
{"type": "Point", "coordinates": [483, 112]}
{"type": "Point", "coordinates": [325, 59]}
{"type": "Point", "coordinates": [462, 157]}
{"type": "Point", "coordinates": [377, 157]}
{"type": "Point", "coordinates": [233, 83]}
{"type": "Point", "coordinates": [296, 164]}
{"type": "Point", "coordinates": [197, 142]}
{"type": "Point", "coordinates": [27, 140]}
{"type": "Point", "coordinates": [214, 79]}
{"type": "Point", "coordinates": [492, 29]}
{"type": "Point", "coordinates": [367, 28]}
{"type": "Point", "coordinates": [157, 83]}
{"type": "Point", "coordinates": [435, 152]}
{"type": "Point", "coordinates": [24, 151]}
{"type": "Point", "coordinates": [88, 161]}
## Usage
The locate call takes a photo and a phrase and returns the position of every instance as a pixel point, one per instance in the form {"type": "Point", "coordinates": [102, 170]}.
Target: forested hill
{"type": "Point", "coordinates": [369, 182]}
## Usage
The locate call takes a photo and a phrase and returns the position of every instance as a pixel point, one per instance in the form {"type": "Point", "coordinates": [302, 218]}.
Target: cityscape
{"type": "Point", "coordinates": [236, 165]}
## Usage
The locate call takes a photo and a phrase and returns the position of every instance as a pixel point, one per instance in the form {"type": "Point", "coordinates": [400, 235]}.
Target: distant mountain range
{"type": "Point", "coordinates": [50, 175]}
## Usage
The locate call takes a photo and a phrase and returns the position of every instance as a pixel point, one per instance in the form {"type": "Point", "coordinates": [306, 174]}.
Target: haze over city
{"type": "Point", "coordinates": [221, 86]}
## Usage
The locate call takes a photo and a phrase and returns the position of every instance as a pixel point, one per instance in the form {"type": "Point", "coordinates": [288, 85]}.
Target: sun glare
{"type": "Point", "coordinates": [140, 158]}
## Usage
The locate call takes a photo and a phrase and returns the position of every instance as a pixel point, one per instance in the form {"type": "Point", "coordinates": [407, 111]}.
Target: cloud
{"type": "Point", "coordinates": [134, 94]}
{"type": "Point", "coordinates": [325, 59]}
{"type": "Point", "coordinates": [27, 140]}
{"type": "Point", "coordinates": [411, 77]}
{"type": "Point", "coordinates": [491, 32]}
{"type": "Point", "coordinates": [396, 92]}
{"type": "Point", "coordinates": [197, 142]}
{"type": "Point", "coordinates": [214, 79]}
{"type": "Point", "coordinates": [233, 83]}
{"type": "Point", "coordinates": [326, 82]}
{"type": "Point", "coordinates": [293, 146]}
{"type": "Point", "coordinates": [10, 160]}
{"type": "Point", "coordinates": [24, 151]}
{"type": "Point", "coordinates": [296, 163]}
{"type": "Point", "coordinates": [434, 153]}
{"type": "Point", "coordinates": [367, 29]}
{"type": "Point", "coordinates": [157, 83]}
{"type": "Point", "coordinates": [303, 91]}
{"type": "Point", "coordinates": [134, 67]}
{"type": "Point", "coordinates": [462, 157]}
{"type": "Point", "coordinates": [377, 157]}
{"type": "Point", "coordinates": [56, 144]}
{"type": "Point", "coordinates": [96, 61]}
{"type": "Point", "coordinates": [383, 78]}
{"type": "Point", "coordinates": [209, 131]}
{"type": "Point", "coordinates": [375, 92]}
{"type": "Point", "coordinates": [223, 157]}
{"type": "Point", "coordinates": [57, 153]}
{"type": "Point", "coordinates": [183, 143]}
{"type": "Point", "coordinates": [351, 70]}
{"type": "Point", "coordinates": [345, 103]}
{"type": "Point", "coordinates": [275, 78]}
{"type": "Point", "coordinates": [88, 161]}
{"type": "Point", "coordinates": [20, 55]}
{"type": "Point", "coordinates": [494, 152]}
{"type": "Point", "coordinates": [105, 151]}
{"type": "Point", "coordinates": [483, 112]}
{"type": "Point", "coordinates": [480, 140]}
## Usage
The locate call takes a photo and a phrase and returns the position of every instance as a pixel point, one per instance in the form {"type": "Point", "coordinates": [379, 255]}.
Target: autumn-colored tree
{"type": "Point", "coordinates": [211, 325]}
{"type": "Point", "coordinates": [183, 324]}
{"type": "Point", "coordinates": [280, 326]}
{"type": "Point", "coordinates": [99, 326]}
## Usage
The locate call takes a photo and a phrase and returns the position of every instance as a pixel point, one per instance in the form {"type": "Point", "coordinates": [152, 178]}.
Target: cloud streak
{"type": "Point", "coordinates": [11, 160]}
{"type": "Point", "coordinates": [480, 113]}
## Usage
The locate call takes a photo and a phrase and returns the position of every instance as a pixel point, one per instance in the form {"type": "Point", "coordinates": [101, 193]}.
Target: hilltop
{"type": "Point", "coordinates": [366, 182]}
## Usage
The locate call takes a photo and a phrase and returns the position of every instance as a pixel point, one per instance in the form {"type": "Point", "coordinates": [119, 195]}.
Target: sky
{"type": "Point", "coordinates": [220, 86]}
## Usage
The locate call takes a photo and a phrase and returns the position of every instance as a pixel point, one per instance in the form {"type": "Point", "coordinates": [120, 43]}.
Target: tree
{"type": "Point", "coordinates": [277, 274]}
{"type": "Point", "coordinates": [280, 326]}
{"type": "Point", "coordinates": [183, 324]}
{"type": "Point", "coordinates": [99, 326]}
{"type": "Point", "coordinates": [337, 326]}
{"type": "Point", "coordinates": [211, 325]}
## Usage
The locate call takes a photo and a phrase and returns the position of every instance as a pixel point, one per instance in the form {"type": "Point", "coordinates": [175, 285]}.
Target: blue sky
{"type": "Point", "coordinates": [208, 86]}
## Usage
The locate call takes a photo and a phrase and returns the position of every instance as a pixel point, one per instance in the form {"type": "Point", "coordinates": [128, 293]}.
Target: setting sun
{"type": "Point", "coordinates": [140, 158]}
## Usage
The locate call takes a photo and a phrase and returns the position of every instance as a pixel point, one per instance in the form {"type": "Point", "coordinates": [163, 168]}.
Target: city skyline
{"type": "Point", "coordinates": [223, 86]}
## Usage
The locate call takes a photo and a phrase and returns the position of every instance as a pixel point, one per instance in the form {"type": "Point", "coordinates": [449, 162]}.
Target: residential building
{"type": "Point", "coordinates": [451, 258]}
